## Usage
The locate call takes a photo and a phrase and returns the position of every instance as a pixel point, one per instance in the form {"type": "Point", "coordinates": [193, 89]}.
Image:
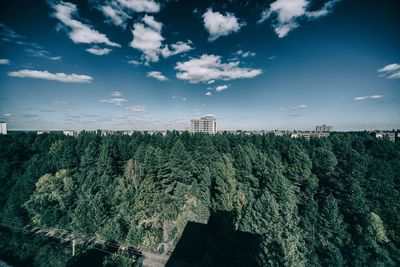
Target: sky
{"type": "Point", "coordinates": [154, 65]}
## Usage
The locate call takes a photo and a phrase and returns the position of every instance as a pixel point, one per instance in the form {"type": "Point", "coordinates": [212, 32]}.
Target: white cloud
{"type": "Point", "coordinates": [183, 98]}
{"type": "Point", "coordinates": [147, 6]}
{"type": "Point", "coordinates": [177, 48]}
{"type": "Point", "coordinates": [245, 53]}
{"type": "Point", "coordinates": [115, 101]}
{"type": "Point", "coordinates": [302, 106]}
{"type": "Point", "coordinates": [7, 114]}
{"type": "Point", "coordinates": [157, 75]}
{"type": "Point", "coordinates": [134, 62]}
{"type": "Point", "coordinates": [45, 75]}
{"type": "Point", "coordinates": [288, 13]}
{"type": "Point", "coordinates": [391, 71]}
{"type": "Point", "coordinates": [116, 94]}
{"type": "Point", "coordinates": [368, 97]}
{"type": "Point", "coordinates": [210, 67]}
{"type": "Point", "coordinates": [221, 88]}
{"type": "Point", "coordinates": [98, 51]}
{"type": "Point", "coordinates": [139, 109]}
{"type": "Point", "coordinates": [208, 94]}
{"type": "Point", "coordinates": [42, 54]}
{"type": "Point", "coordinates": [147, 38]}
{"type": "Point", "coordinates": [4, 61]}
{"type": "Point", "coordinates": [79, 32]}
{"type": "Point", "coordinates": [173, 97]}
{"type": "Point", "coordinates": [219, 25]}
{"type": "Point", "coordinates": [115, 15]}
{"type": "Point", "coordinates": [61, 102]}
{"type": "Point", "coordinates": [211, 81]}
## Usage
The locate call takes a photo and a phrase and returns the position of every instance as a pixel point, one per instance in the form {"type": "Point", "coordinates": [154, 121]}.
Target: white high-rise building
{"type": "Point", "coordinates": [206, 124]}
{"type": "Point", "coordinates": [323, 129]}
{"type": "Point", "coordinates": [3, 128]}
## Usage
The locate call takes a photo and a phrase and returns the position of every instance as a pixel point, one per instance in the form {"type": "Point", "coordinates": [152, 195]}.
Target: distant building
{"type": "Point", "coordinates": [391, 136]}
{"type": "Point", "coordinates": [323, 129]}
{"type": "Point", "coordinates": [206, 124]}
{"type": "Point", "coordinates": [3, 128]}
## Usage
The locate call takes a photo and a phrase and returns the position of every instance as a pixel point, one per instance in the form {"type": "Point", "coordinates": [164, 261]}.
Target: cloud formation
{"type": "Point", "coordinates": [78, 31]}
{"type": "Point", "coordinates": [4, 61]}
{"type": "Point", "coordinates": [147, 38]}
{"type": "Point", "coordinates": [98, 51]}
{"type": "Point", "coordinates": [245, 54]}
{"type": "Point", "coordinates": [288, 13]}
{"type": "Point", "coordinates": [221, 88]}
{"type": "Point", "coordinates": [35, 52]}
{"type": "Point", "coordinates": [368, 97]}
{"type": "Point", "coordinates": [391, 71]}
{"type": "Point", "coordinates": [208, 94]}
{"type": "Point", "coordinates": [45, 75]}
{"type": "Point", "coordinates": [157, 75]}
{"type": "Point", "coordinates": [177, 48]}
{"type": "Point", "coordinates": [219, 25]}
{"type": "Point", "coordinates": [210, 67]}
{"type": "Point", "coordinates": [116, 99]}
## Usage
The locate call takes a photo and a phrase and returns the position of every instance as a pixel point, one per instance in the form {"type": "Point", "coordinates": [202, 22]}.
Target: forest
{"type": "Point", "coordinates": [321, 202]}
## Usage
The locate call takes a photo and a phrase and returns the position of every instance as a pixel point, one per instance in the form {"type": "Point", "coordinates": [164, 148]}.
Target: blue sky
{"type": "Point", "coordinates": [146, 64]}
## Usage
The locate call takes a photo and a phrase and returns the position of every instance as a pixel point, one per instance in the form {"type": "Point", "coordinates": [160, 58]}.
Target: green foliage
{"type": "Point", "coordinates": [324, 202]}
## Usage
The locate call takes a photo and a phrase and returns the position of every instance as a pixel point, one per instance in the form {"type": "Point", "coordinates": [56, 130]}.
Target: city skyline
{"type": "Point", "coordinates": [150, 65]}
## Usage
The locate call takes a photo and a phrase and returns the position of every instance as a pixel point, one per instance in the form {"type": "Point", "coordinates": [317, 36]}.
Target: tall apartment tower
{"type": "Point", "coordinates": [3, 128]}
{"type": "Point", "coordinates": [323, 129]}
{"type": "Point", "coordinates": [206, 124]}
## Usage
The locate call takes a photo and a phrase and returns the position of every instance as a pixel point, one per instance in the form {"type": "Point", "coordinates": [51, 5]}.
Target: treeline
{"type": "Point", "coordinates": [324, 202]}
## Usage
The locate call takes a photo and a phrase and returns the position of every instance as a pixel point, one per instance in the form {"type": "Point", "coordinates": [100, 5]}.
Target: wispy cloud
{"type": "Point", "coordinates": [287, 14]}
{"type": "Point", "coordinates": [42, 54]}
{"type": "Point", "coordinates": [45, 75]}
{"type": "Point", "coordinates": [4, 61]}
{"type": "Point", "coordinates": [61, 102]}
{"type": "Point", "coordinates": [219, 25]}
{"type": "Point", "coordinates": [157, 75]}
{"type": "Point", "coordinates": [391, 71]}
{"type": "Point", "coordinates": [208, 94]}
{"type": "Point", "coordinates": [368, 97]}
{"type": "Point", "coordinates": [245, 54]}
{"type": "Point", "coordinates": [79, 32]}
{"type": "Point", "coordinates": [116, 99]}
{"type": "Point", "coordinates": [98, 51]}
{"type": "Point", "coordinates": [177, 48]}
{"type": "Point", "coordinates": [209, 67]}
{"type": "Point", "coordinates": [116, 94]}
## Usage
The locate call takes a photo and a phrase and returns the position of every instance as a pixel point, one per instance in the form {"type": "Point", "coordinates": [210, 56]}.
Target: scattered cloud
{"type": "Point", "coordinates": [148, 6]}
{"type": "Point", "coordinates": [115, 101]}
{"type": "Point", "coordinates": [271, 57]}
{"type": "Point", "coordinates": [221, 88]}
{"type": "Point", "coordinates": [147, 38]}
{"type": "Point", "coordinates": [208, 94]}
{"type": "Point", "coordinates": [116, 93]}
{"type": "Point", "coordinates": [42, 54]}
{"type": "Point", "coordinates": [114, 14]}
{"type": "Point", "coordinates": [211, 81]}
{"type": "Point", "coordinates": [210, 67]}
{"type": "Point", "coordinates": [98, 51]}
{"type": "Point", "coordinates": [7, 114]}
{"type": "Point", "coordinates": [245, 54]}
{"type": "Point", "coordinates": [173, 97]}
{"type": "Point", "coordinates": [4, 61]}
{"type": "Point", "coordinates": [45, 75]}
{"type": "Point", "coordinates": [157, 75]}
{"type": "Point", "coordinates": [61, 102]}
{"type": "Point", "coordinates": [134, 62]}
{"type": "Point", "coordinates": [139, 109]}
{"type": "Point", "coordinates": [288, 13]}
{"type": "Point", "coordinates": [368, 97]}
{"type": "Point", "coordinates": [302, 106]}
{"type": "Point", "coordinates": [177, 48]}
{"type": "Point", "coordinates": [184, 99]}
{"type": "Point", "coordinates": [78, 31]}
{"type": "Point", "coordinates": [391, 71]}
{"type": "Point", "coordinates": [219, 25]}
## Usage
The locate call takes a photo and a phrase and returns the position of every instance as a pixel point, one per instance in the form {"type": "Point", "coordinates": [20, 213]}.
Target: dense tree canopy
{"type": "Point", "coordinates": [322, 202]}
